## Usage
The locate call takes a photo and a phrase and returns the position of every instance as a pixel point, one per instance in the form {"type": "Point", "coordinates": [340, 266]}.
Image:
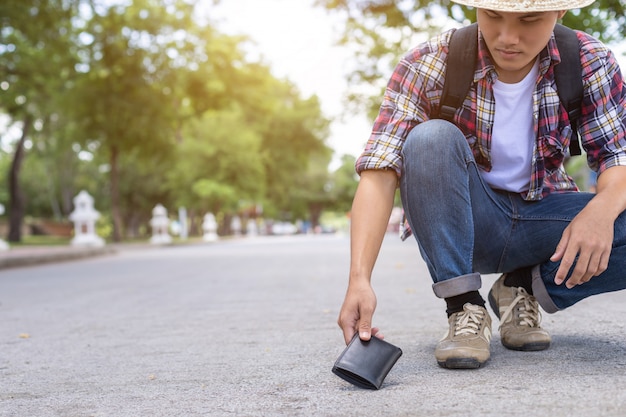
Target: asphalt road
{"type": "Point", "coordinates": [247, 328]}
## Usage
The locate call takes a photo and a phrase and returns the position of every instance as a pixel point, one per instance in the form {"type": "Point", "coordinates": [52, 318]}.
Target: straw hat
{"type": "Point", "coordinates": [526, 5]}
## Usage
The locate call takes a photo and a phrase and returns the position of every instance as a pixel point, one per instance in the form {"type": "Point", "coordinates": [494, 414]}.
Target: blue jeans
{"type": "Point", "coordinates": [465, 228]}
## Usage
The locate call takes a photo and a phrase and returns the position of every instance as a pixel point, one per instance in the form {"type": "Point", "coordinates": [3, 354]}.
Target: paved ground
{"type": "Point", "coordinates": [247, 328]}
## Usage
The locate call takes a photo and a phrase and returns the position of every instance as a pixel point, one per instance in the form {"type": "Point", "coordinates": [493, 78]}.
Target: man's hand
{"type": "Point", "coordinates": [590, 234]}
{"type": "Point", "coordinates": [588, 237]}
{"type": "Point", "coordinates": [357, 312]}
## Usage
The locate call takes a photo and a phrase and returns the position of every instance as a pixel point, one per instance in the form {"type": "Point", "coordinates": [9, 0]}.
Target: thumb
{"type": "Point", "coordinates": [365, 328]}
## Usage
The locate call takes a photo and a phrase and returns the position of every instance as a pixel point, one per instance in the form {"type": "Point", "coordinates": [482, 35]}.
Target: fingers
{"type": "Point", "coordinates": [356, 314]}
{"type": "Point", "coordinates": [586, 267]}
{"type": "Point", "coordinates": [567, 262]}
{"type": "Point", "coordinates": [347, 321]}
{"type": "Point", "coordinates": [348, 334]}
{"type": "Point", "coordinates": [581, 265]}
{"type": "Point", "coordinates": [582, 255]}
{"type": "Point", "coordinates": [353, 321]}
{"type": "Point", "coordinates": [580, 274]}
{"type": "Point", "coordinates": [559, 255]}
{"type": "Point", "coordinates": [377, 333]}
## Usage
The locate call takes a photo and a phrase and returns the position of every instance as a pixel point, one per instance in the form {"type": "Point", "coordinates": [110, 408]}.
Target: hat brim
{"type": "Point", "coordinates": [525, 6]}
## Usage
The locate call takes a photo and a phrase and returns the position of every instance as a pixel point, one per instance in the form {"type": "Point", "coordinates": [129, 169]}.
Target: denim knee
{"type": "Point", "coordinates": [431, 136]}
{"type": "Point", "coordinates": [431, 146]}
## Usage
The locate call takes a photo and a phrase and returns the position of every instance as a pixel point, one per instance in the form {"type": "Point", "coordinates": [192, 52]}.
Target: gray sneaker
{"type": "Point", "coordinates": [519, 316]}
{"type": "Point", "coordinates": [466, 344]}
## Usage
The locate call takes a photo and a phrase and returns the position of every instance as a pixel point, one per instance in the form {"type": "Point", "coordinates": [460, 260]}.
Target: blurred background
{"type": "Point", "coordinates": [248, 109]}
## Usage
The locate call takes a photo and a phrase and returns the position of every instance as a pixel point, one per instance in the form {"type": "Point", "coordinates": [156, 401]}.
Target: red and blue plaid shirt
{"type": "Point", "coordinates": [414, 91]}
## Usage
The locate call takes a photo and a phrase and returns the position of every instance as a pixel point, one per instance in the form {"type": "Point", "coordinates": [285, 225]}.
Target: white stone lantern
{"type": "Point", "coordinates": [209, 226]}
{"type": "Point", "coordinates": [84, 218]}
{"type": "Point", "coordinates": [235, 226]}
{"type": "Point", "coordinates": [160, 224]}
{"type": "Point", "coordinates": [252, 229]}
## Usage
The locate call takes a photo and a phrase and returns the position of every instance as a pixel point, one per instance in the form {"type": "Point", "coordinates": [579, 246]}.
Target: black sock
{"type": "Point", "coordinates": [456, 303]}
{"type": "Point", "coordinates": [520, 278]}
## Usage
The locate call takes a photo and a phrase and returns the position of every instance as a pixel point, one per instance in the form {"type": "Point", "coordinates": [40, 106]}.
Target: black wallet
{"type": "Point", "coordinates": [366, 364]}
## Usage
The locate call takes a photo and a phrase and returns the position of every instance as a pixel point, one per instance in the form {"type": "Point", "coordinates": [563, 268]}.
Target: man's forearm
{"type": "Point", "coordinates": [371, 210]}
{"type": "Point", "coordinates": [611, 191]}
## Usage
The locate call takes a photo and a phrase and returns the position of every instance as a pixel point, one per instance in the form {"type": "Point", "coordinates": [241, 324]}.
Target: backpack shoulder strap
{"type": "Point", "coordinates": [568, 78]}
{"type": "Point", "coordinates": [461, 62]}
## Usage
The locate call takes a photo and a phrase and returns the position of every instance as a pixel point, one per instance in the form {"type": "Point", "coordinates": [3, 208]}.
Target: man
{"type": "Point", "coordinates": [488, 193]}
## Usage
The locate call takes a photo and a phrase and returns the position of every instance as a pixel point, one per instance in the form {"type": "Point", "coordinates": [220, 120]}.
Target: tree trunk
{"type": "Point", "coordinates": [55, 205]}
{"type": "Point", "coordinates": [115, 196]}
{"type": "Point", "coordinates": [16, 199]}
{"type": "Point", "coordinates": [315, 213]}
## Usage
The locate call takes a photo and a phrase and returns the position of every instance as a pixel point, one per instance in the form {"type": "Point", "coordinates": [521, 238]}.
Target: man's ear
{"type": "Point", "coordinates": [562, 13]}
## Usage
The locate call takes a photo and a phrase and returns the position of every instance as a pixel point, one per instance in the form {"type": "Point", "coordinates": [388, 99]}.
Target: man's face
{"type": "Point", "coordinates": [515, 39]}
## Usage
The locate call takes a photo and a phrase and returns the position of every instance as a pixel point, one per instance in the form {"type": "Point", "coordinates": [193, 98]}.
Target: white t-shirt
{"type": "Point", "coordinates": [513, 134]}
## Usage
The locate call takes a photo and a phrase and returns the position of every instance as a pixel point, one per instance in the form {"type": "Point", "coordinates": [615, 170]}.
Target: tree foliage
{"type": "Point", "coordinates": [140, 103]}
{"type": "Point", "coordinates": [36, 64]}
{"type": "Point", "coordinates": [379, 31]}
{"type": "Point", "coordinates": [343, 184]}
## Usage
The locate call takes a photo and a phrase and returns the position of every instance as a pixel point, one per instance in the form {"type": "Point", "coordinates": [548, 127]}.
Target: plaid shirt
{"type": "Point", "coordinates": [415, 88]}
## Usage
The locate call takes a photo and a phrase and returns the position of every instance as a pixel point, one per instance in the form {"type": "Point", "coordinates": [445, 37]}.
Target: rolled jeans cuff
{"type": "Point", "coordinates": [541, 293]}
{"type": "Point", "coordinates": [457, 286]}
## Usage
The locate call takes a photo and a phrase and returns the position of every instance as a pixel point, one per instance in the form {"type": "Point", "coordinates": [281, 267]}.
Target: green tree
{"type": "Point", "coordinates": [268, 152]}
{"type": "Point", "coordinates": [37, 58]}
{"type": "Point", "coordinates": [343, 184]}
{"type": "Point", "coordinates": [217, 164]}
{"type": "Point", "coordinates": [138, 103]}
{"type": "Point", "coordinates": [310, 195]}
{"type": "Point", "coordinates": [379, 31]}
{"type": "Point", "coordinates": [295, 132]}
{"type": "Point", "coordinates": [150, 67]}
{"type": "Point", "coordinates": [292, 130]}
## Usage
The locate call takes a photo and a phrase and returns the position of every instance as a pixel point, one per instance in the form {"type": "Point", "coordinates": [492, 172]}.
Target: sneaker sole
{"type": "Point", "coordinates": [460, 363]}
{"type": "Point", "coordinates": [528, 347]}
{"type": "Point", "coordinates": [493, 304]}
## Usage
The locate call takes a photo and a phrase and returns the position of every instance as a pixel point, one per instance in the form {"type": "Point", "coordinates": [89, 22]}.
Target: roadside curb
{"type": "Point", "coordinates": [17, 257]}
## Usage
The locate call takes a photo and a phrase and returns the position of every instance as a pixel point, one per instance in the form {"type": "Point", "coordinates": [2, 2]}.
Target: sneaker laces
{"type": "Point", "coordinates": [528, 308]}
{"type": "Point", "coordinates": [469, 320]}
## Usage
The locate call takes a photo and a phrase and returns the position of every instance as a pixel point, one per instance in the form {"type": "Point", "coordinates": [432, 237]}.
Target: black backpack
{"type": "Point", "coordinates": [462, 58]}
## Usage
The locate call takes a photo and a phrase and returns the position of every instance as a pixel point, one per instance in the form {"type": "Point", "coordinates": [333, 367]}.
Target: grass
{"type": "Point", "coordinates": [39, 240]}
